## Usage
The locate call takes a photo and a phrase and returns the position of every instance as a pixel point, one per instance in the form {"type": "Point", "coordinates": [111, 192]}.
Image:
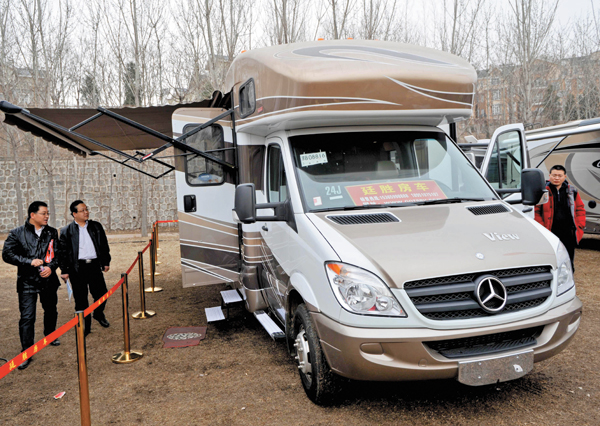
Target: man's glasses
{"type": "Point", "coordinates": [43, 213]}
{"type": "Point", "coordinates": [83, 211]}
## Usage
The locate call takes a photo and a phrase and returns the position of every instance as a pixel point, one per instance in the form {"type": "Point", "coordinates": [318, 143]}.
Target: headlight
{"type": "Point", "coordinates": [564, 274]}
{"type": "Point", "coordinates": [362, 292]}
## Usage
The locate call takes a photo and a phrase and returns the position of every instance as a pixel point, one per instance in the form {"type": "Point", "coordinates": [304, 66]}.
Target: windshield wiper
{"type": "Point", "coordinates": [449, 201]}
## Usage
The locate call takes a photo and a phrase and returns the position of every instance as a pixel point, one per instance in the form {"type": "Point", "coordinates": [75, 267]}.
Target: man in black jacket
{"type": "Point", "coordinates": [34, 249]}
{"type": "Point", "coordinates": [85, 256]}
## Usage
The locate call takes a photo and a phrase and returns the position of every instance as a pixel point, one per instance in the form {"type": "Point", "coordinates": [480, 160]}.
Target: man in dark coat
{"type": "Point", "coordinates": [85, 256]}
{"type": "Point", "coordinates": [34, 249]}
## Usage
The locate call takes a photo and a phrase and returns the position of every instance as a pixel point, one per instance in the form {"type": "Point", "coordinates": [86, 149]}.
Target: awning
{"type": "Point", "coordinates": [68, 129]}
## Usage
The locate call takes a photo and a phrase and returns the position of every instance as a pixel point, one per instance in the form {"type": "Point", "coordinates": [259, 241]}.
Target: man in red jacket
{"type": "Point", "coordinates": [564, 213]}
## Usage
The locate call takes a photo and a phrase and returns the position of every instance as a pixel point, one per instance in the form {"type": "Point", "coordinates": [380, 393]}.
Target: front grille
{"type": "Point", "coordinates": [362, 219]}
{"type": "Point", "coordinates": [487, 344]}
{"type": "Point", "coordinates": [489, 209]}
{"type": "Point", "coordinates": [453, 297]}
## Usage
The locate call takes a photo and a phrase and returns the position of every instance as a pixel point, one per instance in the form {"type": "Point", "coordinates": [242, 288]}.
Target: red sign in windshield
{"type": "Point", "coordinates": [396, 192]}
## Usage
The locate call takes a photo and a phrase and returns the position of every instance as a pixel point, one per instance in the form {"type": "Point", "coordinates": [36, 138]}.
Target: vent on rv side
{"type": "Point", "coordinates": [362, 219]}
{"type": "Point", "coordinates": [489, 209]}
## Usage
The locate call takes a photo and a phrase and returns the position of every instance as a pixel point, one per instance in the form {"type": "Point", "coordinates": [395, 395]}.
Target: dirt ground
{"type": "Point", "coordinates": [238, 375]}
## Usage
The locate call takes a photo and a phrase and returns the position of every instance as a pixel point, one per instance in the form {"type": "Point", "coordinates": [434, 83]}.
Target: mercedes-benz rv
{"type": "Point", "coordinates": [321, 187]}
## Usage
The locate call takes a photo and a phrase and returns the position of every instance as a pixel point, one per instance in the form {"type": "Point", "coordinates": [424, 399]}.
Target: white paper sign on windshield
{"type": "Point", "coordinates": [313, 158]}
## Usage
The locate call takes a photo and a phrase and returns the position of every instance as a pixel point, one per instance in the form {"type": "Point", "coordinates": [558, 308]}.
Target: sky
{"type": "Point", "coordinates": [571, 9]}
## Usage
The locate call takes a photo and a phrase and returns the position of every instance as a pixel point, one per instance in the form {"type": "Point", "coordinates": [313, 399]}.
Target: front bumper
{"type": "Point", "coordinates": [400, 354]}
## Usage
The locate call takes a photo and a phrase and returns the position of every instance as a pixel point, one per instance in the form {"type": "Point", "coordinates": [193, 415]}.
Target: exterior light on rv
{"type": "Point", "coordinates": [362, 292]}
{"type": "Point", "coordinates": [564, 275]}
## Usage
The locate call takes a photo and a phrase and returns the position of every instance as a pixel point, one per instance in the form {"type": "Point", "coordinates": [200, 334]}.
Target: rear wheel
{"type": "Point", "coordinates": [318, 380]}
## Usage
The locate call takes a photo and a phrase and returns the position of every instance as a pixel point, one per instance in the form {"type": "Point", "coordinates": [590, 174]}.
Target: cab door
{"type": "Point", "coordinates": [275, 235]}
{"type": "Point", "coordinates": [209, 239]}
{"type": "Point", "coordinates": [504, 162]}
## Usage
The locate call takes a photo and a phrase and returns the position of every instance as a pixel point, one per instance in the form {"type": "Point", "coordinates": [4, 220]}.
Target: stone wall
{"type": "Point", "coordinates": [112, 191]}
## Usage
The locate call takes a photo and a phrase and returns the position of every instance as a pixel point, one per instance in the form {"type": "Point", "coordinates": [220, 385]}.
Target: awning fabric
{"type": "Point", "coordinates": [52, 125]}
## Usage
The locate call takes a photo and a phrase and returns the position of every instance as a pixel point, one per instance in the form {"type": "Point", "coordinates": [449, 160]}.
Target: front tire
{"type": "Point", "coordinates": [319, 382]}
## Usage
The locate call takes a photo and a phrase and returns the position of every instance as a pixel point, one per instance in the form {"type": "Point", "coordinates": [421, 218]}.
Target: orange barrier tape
{"type": "Point", "coordinates": [132, 265]}
{"type": "Point", "coordinates": [146, 248]}
{"type": "Point", "coordinates": [14, 363]}
{"type": "Point", "coordinates": [103, 299]}
{"type": "Point", "coordinates": [166, 221]}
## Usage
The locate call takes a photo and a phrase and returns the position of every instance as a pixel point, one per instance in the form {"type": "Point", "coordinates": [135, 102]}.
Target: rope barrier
{"type": "Point", "coordinates": [23, 356]}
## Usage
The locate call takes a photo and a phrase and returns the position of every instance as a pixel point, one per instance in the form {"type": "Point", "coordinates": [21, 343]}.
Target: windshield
{"type": "Point", "coordinates": [371, 169]}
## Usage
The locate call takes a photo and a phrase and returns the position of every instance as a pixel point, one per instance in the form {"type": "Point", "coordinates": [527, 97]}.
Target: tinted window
{"type": "Point", "coordinates": [247, 98]}
{"type": "Point", "coordinates": [276, 180]}
{"type": "Point", "coordinates": [504, 170]}
{"type": "Point", "coordinates": [343, 170]}
{"type": "Point", "coordinates": [201, 171]}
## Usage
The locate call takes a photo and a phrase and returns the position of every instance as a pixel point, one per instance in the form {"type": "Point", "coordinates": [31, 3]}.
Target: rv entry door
{"type": "Point", "coordinates": [208, 236]}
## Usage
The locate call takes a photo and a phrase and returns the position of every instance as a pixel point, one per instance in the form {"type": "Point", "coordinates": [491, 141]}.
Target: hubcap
{"type": "Point", "coordinates": [303, 353]}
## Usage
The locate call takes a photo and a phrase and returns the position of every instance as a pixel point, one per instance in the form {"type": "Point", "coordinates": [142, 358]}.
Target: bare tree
{"type": "Point", "coordinates": [457, 31]}
{"type": "Point", "coordinates": [530, 23]}
{"type": "Point", "coordinates": [339, 16]}
{"type": "Point", "coordinates": [377, 19]}
{"type": "Point", "coordinates": [286, 21]}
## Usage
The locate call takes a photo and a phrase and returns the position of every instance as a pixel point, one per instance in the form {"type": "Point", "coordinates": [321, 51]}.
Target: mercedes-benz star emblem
{"type": "Point", "coordinates": [491, 294]}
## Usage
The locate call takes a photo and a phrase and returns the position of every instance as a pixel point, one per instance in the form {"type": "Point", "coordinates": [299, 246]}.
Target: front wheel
{"type": "Point", "coordinates": [318, 380]}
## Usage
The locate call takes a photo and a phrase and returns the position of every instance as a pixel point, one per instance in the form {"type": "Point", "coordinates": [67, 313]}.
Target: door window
{"type": "Point", "coordinates": [506, 162]}
{"type": "Point", "coordinates": [276, 180]}
{"type": "Point", "coordinates": [199, 170]}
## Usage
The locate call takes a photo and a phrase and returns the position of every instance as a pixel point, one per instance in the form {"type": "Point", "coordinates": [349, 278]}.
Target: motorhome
{"type": "Point", "coordinates": [321, 187]}
{"type": "Point", "coordinates": [574, 145]}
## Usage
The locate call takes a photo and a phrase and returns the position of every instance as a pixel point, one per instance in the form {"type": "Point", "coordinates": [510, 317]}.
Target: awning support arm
{"type": "Point", "coordinates": [178, 144]}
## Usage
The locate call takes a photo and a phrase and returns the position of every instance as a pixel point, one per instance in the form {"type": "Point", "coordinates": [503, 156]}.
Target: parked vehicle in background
{"type": "Point", "coordinates": [574, 145]}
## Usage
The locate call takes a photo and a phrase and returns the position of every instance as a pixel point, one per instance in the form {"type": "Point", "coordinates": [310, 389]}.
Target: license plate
{"type": "Point", "coordinates": [493, 370]}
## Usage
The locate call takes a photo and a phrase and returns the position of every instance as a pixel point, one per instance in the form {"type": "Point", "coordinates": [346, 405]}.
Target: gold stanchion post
{"type": "Point", "coordinates": [152, 288]}
{"type": "Point", "coordinates": [84, 388]}
{"type": "Point", "coordinates": [153, 261]}
{"type": "Point", "coordinates": [143, 314]}
{"type": "Point", "coordinates": [156, 248]}
{"type": "Point", "coordinates": [127, 355]}
{"type": "Point", "coordinates": [157, 243]}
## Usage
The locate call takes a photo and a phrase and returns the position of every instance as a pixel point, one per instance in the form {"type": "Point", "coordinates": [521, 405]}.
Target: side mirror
{"type": "Point", "coordinates": [245, 203]}
{"type": "Point", "coordinates": [245, 208]}
{"type": "Point", "coordinates": [533, 187]}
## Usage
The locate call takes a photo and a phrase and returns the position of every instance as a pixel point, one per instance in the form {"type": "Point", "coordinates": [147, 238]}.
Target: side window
{"type": "Point", "coordinates": [247, 99]}
{"type": "Point", "coordinates": [504, 169]}
{"type": "Point", "coordinates": [198, 170]}
{"type": "Point", "coordinates": [276, 180]}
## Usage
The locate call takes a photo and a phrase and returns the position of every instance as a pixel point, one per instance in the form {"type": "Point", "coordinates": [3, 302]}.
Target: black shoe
{"type": "Point", "coordinates": [86, 332]}
{"type": "Point", "coordinates": [25, 364]}
{"type": "Point", "coordinates": [56, 342]}
{"type": "Point", "coordinates": [103, 322]}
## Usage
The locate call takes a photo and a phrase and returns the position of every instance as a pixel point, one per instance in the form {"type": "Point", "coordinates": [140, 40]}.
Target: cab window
{"type": "Point", "coordinates": [276, 180]}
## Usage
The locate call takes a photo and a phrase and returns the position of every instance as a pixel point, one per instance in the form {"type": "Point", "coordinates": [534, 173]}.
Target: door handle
{"type": "Point", "coordinates": [264, 228]}
{"type": "Point", "coordinates": [189, 203]}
